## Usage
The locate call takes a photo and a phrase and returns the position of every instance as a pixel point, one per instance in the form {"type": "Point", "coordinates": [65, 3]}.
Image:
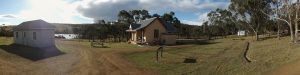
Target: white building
{"type": "Point", "coordinates": [241, 33]}
{"type": "Point", "coordinates": [36, 33]}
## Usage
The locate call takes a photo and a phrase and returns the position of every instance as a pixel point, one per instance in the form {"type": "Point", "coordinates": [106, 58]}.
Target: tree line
{"type": "Point", "coordinates": [257, 17]}
{"type": "Point", "coordinates": [116, 31]}
{"type": "Point", "coordinates": [6, 31]}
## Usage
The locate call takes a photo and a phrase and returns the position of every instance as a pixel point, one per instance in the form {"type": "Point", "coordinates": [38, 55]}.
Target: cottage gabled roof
{"type": "Point", "coordinates": [34, 24]}
{"type": "Point", "coordinates": [170, 27]}
{"type": "Point", "coordinates": [144, 23]}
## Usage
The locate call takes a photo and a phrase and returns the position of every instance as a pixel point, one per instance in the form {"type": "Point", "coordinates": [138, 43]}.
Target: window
{"type": "Point", "coordinates": [34, 35]}
{"type": "Point", "coordinates": [24, 34]}
{"type": "Point", "coordinates": [16, 34]}
{"type": "Point", "coordinates": [156, 33]}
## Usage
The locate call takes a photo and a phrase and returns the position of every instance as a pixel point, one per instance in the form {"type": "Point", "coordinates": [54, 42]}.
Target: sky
{"type": "Point", "coordinates": [14, 12]}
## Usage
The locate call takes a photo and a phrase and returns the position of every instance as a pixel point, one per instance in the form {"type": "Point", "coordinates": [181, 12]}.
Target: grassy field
{"type": "Point", "coordinates": [217, 57]}
{"type": "Point", "coordinates": [221, 57]}
{"type": "Point", "coordinates": [6, 40]}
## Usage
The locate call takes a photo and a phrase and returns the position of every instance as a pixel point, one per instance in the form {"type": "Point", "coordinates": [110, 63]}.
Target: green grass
{"type": "Point", "coordinates": [223, 57]}
{"type": "Point", "coordinates": [84, 43]}
{"type": "Point", "coordinates": [6, 40]}
{"type": "Point", "coordinates": [108, 44]}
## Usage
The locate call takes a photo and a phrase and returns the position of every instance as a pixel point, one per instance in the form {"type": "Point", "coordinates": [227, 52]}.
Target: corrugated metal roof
{"type": "Point", "coordinates": [170, 27]}
{"type": "Point", "coordinates": [144, 23]}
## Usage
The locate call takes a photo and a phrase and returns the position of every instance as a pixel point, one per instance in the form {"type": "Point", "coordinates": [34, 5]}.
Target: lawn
{"type": "Point", "coordinates": [217, 57]}
{"type": "Point", "coordinates": [6, 40]}
{"type": "Point", "coordinates": [221, 57]}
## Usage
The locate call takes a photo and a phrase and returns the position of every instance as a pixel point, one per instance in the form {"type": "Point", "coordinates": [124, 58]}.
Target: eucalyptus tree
{"type": "Point", "coordinates": [250, 12]}
{"type": "Point", "coordinates": [222, 20]}
{"type": "Point", "coordinates": [125, 17]}
{"type": "Point", "coordinates": [287, 11]}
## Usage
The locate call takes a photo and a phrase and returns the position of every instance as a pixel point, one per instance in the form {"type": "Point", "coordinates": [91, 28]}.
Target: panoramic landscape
{"type": "Point", "coordinates": [149, 37]}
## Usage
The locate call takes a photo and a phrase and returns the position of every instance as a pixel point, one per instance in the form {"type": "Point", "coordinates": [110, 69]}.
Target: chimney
{"type": "Point", "coordinates": [130, 28]}
{"type": "Point", "coordinates": [136, 18]}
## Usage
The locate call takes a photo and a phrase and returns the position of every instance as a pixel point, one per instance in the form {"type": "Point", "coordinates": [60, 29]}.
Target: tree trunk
{"type": "Point", "coordinates": [296, 33]}
{"type": "Point", "coordinates": [291, 29]}
{"type": "Point", "coordinates": [295, 40]}
{"type": "Point", "coordinates": [256, 32]}
{"type": "Point", "coordinates": [296, 24]}
{"type": "Point", "coordinates": [278, 31]}
{"type": "Point", "coordinates": [292, 33]}
{"type": "Point", "coordinates": [256, 36]}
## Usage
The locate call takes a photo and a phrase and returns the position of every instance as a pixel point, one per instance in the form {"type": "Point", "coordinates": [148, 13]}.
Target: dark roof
{"type": "Point", "coordinates": [34, 24]}
{"type": "Point", "coordinates": [170, 27]}
{"type": "Point", "coordinates": [144, 23]}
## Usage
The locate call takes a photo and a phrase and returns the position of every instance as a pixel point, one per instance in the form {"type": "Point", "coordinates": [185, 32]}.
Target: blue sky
{"type": "Point", "coordinates": [86, 11]}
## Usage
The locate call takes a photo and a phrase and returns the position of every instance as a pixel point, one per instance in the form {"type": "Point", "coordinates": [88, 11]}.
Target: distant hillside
{"type": "Point", "coordinates": [66, 28]}
{"type": "Point", "coordinates": [60, 28]}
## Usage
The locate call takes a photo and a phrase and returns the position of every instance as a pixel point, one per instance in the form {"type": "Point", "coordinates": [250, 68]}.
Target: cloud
{"type": "Point", "coordinates": [202, 17]}
{"type": "Point", "coordinates": [213, 5]}
{"type": "Point", "coordinates": [108, 9]}
{"type": "Point", "coordinates": [8, 16]}
{"type": "Point", "coordinates": [190, 22]}
{"type": "Point", "coordinates": [68, 11]}
{"type": "Point", "coordinates": [55, 11]}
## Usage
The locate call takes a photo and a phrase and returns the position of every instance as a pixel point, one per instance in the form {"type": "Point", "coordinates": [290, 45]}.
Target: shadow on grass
{"type": "Point", "coordinates": [31, 53]}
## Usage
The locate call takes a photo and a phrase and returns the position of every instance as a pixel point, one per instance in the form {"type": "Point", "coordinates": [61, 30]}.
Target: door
{"type": "Point", "coordinates": [156, 34]}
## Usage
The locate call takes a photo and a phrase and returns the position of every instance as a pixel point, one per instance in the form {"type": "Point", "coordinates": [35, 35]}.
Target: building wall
{"type": "Point", "coordinates": [170, 39]}
{"type": "Point", "coordinates": [44, 38]}
{"type": "Point", "coordinates": [149, 31]}
{"type": "Point", "coordinates": [133, 38]}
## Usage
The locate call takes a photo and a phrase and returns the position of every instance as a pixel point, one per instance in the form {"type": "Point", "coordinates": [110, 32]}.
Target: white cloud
{"type": "Point", "coordinates": [202, 17]}
{"type": "Point", "coordinates": [108, 9]}
{"type": "Point", "coordinates": [190, 22]}
{"type": "Point", "coordinates": [8, 16]}
{"type": "Point", "coordinates": [213, 5]}
{"type": "Point", "coordinates": [62, 11]}
{"type": "Point", "coordinates": [55, 11]}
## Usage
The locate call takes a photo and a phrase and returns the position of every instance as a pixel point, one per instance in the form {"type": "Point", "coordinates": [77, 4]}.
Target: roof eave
{"type": "Point", "coordinates": [130, 30]}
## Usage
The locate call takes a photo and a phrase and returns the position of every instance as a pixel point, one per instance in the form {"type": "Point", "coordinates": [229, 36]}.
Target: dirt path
{"type": "Point", "coordinates": [79, 60]}
{"type": "Point", "coordinates": [103, 61]}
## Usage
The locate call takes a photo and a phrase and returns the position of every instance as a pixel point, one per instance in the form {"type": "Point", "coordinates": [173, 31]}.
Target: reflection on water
{"type": "Point", "coordinates": [66, 36]}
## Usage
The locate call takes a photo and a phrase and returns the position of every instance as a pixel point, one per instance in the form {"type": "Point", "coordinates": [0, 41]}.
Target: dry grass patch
{"type": "Point", "coordinates": [225, 57]}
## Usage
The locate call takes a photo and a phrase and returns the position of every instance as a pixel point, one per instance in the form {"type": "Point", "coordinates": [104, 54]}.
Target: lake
{"type": "Point", "coordinates": [66, 36]}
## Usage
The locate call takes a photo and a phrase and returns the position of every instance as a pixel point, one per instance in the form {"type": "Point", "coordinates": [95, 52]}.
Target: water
{"type": "Point", "coordinates": [67, 36]}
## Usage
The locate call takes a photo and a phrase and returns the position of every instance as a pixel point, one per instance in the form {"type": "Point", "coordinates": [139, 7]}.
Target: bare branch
{"type": "Point", "coordinates": [276, 18]}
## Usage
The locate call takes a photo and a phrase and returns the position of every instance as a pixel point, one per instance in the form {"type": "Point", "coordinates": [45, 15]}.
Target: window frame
{"type": "Point", "coordinates": [34, 35]}
{"type": "Point", "coordinates": [24, 34]}
{"type": "Point", "coordinates": [17, 34]}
